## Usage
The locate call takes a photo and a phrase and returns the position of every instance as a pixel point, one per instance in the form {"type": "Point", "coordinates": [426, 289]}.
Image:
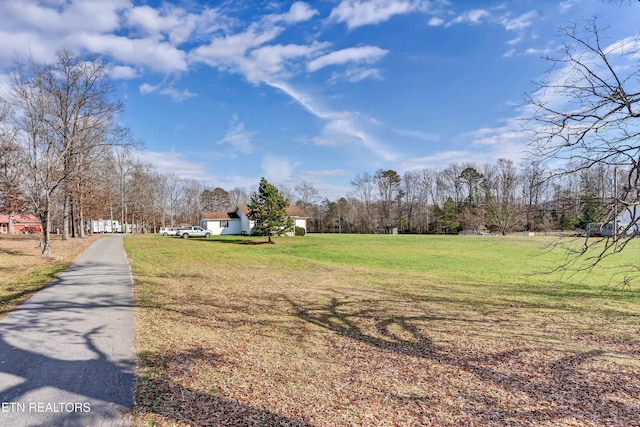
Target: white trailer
{"type": "Point", "coordinates": [98, 226]}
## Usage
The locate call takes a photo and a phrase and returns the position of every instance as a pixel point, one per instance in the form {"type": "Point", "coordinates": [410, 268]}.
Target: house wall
{"type": "Point", "coordinates": [22, 223]}
{"type": "Point", "coordinates": [301, 222]}
{"type": "Point", "coordinates": [213, 225]}
{"type": "Point", "coordinates": [245, 224]}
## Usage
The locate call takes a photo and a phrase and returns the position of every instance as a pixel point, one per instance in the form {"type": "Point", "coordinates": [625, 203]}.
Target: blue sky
{"type": "Point", "coordinates": [226, 92]}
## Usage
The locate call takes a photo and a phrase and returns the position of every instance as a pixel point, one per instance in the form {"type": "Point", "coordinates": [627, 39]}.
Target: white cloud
{"type": "Point", "coordinates": [170, 22]}
{"type": "Point", "coordinates": [147, 52]}
{"type": "Point", "coordinates": [518, 23]}
{"type": "Point", "coordinates": [628, 45]}
{"type": "Point", "coordinates": [271, 60]}
{"type": "Point", "coordinates": [304, 101]}
{"type": "Point", "coordinates": [229, 52]}
{"type": "Point", "coordinates": [340, 128]}
{"type": "Point", "coordinates": [355, 75]}
{"type": "Point", "coordinates": [567, 5]}
{"type": "Point", "coordinates": [146, 88]}
{"type": "Point", "coordinates": [170, 162]}
{"type": "Point", "coordinates": [238, 137]}
{"type": "Point", "coordinates": [277, 168]}
{"type": "Point", "coordinates": [120, 72]}
{"type": "Point", "coordinates": [436, 22]}
{"type": "Point", "coordinates": [366, 54]}
{"type": "Point", "coordinates": [140, 36]}
{"type": "Point", "coordinates": [347, 130]}
{"type": "Point", "coordinates": [62, 18]}
{"type": "Point", "coordinates": [474, 17]}
{"type": "Point", "coordinates": [356, 13]}
{"type": "Point", "coordinates": [300, 12]}
{"type": "Point", "coordinates": [175, 94]}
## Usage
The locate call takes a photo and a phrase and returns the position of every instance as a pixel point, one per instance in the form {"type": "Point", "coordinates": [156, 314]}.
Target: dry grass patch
{"type": "Point", "coordinates": [233, 336]}
{"type": "Point", "coordinates": [23, 271]}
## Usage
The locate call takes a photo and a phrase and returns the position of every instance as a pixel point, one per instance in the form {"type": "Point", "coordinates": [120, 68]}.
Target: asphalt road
{"type": "Point", "coordinates": [67, 355]}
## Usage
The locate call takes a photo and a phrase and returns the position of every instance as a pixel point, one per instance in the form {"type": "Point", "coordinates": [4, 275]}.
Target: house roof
{"type": "Point", "coordinates": [292, 210]}
{"type": "Point", "coordinates": [244, 209]}
{"type": "Point", "coordinates": [20, 219]}
{"type": "Point", "coordinates": [218, 215]}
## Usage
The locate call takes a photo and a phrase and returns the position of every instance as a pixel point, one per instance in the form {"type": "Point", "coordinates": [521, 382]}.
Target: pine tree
{"type": "Point", "coordinates": [268, 208]}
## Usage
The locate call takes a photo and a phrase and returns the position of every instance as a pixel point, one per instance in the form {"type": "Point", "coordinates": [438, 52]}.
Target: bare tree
{"type": "Point", "coordinates": [533, 176]}
{"type": "Point", "coordinates": [389, 188]}
{"type": "Point", "coordinates": [191, 191]}
{"type": "Point", "coordinates": [11, 170]}
{"type": "Point", "coordinates": [587, 114]}
{"type": "Point", "coordinates": [31, 105]}
{"type": "Point", "coordinates": [80, 117]}
{"type": "Point", "coordinates": [307, 195]}
{"type": "Point", "coordinates": [238, 197]}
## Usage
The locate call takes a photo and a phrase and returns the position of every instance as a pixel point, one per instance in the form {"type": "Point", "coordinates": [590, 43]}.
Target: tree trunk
{"type": "Point", "coordinates": [11, 229]}
{"type": "Point", "coordinates": [45, 218]}
{"type": "Point", "coordinates": [81, 217]}
{"type": "Point", "coordinates": [65, 216]}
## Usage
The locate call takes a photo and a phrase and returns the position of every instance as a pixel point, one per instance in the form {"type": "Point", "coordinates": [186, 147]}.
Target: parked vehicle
{"type": "Point", "coordinates": [104, 226]}
{"type": "Point", "coordinates": [168, 231]}
{"type": "Point", "coordinates": [30, 229]}
{"type": "Point", "coordinates": [605, 229]}
{"type": "Point", "coordinates": [193, 231]}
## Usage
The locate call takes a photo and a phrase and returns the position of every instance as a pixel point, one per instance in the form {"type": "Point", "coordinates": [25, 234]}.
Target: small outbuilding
{"type": "Point", "coordinates": [23, 223]}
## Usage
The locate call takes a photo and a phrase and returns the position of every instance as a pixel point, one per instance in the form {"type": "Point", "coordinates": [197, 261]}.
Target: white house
{"type": "Point", "coordinates": [238, 222]}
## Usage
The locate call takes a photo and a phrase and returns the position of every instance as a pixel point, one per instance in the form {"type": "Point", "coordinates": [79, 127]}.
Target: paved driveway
{"type": "Point", "coordinates": [67, 354]}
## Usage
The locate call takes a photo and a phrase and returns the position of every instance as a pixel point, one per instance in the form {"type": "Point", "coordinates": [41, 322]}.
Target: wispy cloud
{"type": "Point", "coordinates": [340, 127]}
{"type": "Point", "coordinates": [277, 168]}
{"type": "Point", "coordinates": [176, 95]}
{"type": "Point", "coordinates": [356, 13]}
{"type": "Point", "coordinates": [424, 136]}
{"type": "Point", "coordinates": [238, 137]}
{"type": "Point", "coordinates": [173, 163]}
{"type": "Point", "coordinates": [364, 54]}
{"type": "Point", "coordinates": [357, 74]}
{"type": "Point", "coordinates": [474, 17]}
{"type": "Point", "coordinates": [120, 72]}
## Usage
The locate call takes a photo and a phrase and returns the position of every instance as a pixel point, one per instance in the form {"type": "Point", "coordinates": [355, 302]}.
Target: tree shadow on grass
{"type": "Point", "coordinates": [572, 388]}
{"type": "Point", "coordinates": [235, 241]}
{"type": "Point", "coordinates": [166, 398]}
{"type": "Point", "coordinates": [32, 372]}
{"type": "Point", "coordinates": [332, 316]}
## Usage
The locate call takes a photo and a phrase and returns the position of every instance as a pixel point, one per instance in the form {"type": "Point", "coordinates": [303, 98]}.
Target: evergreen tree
{"type": "Point", "coordinates": [268, 208]}
{"type": "Point", "coordinates": [593, 210]}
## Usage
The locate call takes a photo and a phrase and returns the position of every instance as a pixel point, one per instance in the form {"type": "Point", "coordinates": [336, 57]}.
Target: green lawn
{"type": "Point", "coordinates": [381, 330]}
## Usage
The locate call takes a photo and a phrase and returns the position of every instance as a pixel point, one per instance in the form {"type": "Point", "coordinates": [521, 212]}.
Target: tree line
{"type": "Point", "coordinates": [499, 197]}
{"type": "Point", "coordinates": [64, 156]}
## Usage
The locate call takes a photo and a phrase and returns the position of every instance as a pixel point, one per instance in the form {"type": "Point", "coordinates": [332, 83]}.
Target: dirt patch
{"type": "Point", "coordinates": [29, 244]}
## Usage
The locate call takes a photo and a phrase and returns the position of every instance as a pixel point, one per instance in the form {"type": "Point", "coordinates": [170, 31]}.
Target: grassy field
{"type": "Point", "coordinates": [341, 330]}
{"type": "Point", "coordinates": [23, 271]}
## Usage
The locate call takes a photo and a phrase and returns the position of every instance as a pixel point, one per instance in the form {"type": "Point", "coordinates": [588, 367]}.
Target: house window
{"type": "Point", "coordinates": [224, 224]}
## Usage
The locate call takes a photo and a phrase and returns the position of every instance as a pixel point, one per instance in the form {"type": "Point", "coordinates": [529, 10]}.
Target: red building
{"type": "Point", "coordinates": [22, 223]}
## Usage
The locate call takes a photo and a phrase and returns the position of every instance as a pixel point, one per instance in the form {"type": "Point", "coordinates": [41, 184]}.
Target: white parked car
{"type": "Point", "coordinates": [193, 231]}
{"type": "Point", "coordinates": [168, 231]}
